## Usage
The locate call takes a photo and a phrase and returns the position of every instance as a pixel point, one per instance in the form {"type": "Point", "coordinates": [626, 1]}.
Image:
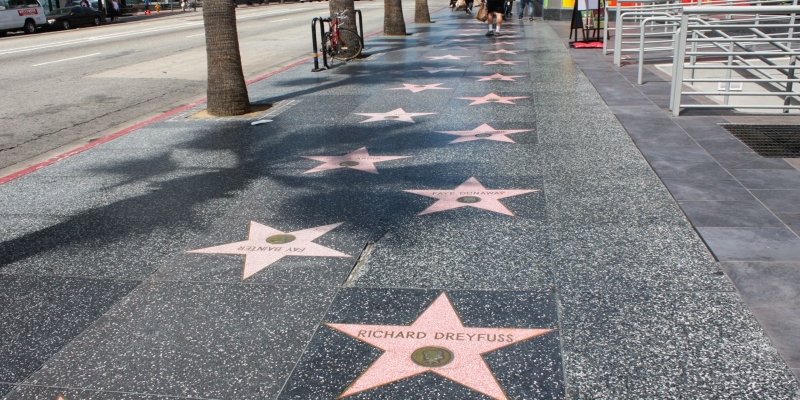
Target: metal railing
{"type": "Point", "coordinates": [747, 60]}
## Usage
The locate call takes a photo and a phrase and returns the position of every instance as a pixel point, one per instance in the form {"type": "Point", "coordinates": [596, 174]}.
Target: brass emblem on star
{"type": "Point", "coordinates": [432, 357]}
{"type": "Point", "coordinates": [280, 239]}
{"type": "Point", "coordinates": [348, 163]}
{"type": "Point", "coordinates": [468, 199]}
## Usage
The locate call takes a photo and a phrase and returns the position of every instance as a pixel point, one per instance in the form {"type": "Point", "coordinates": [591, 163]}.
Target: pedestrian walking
{"type": "Point", "coordinates": [85, 3]}
{"type": "Point", "coordinates": [522, 4]}
{"type": "Point", "coordinates": [147, 5]}
{"type": "Point", "coordinates": [115, 13]}
{"type": "Point", "coordinates": [509, 6]}
{"type": "Point", "coordinates": [495, 8]}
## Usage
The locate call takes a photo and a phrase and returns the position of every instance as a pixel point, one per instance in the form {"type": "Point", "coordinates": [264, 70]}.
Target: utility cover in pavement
{"type": "Point", "coordinates": [776, 141]}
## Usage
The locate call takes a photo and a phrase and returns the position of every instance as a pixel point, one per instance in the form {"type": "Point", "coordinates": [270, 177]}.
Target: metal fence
{"type": "Point", "coordinates": [741, 57]}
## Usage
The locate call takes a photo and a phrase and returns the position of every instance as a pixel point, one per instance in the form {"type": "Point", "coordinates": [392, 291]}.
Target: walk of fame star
{"type": "Point", "coordinates": [493, 98]}
{"type": "Point", "coordinates": [447, 57]}
{"type": "Point", "coordinates": [498, 77]}
{"type": "Point", "coordinates": [435, 70]}
{"type": "Point", "coordinates": [484, 132]}
{"type": "Point", "coordinates": [397, 114]}
{"type": "Point", "coordinates": [359, 159]}
{"type": "Point", "coordinates": [503, 51]}
{"type": "Point", "coordinates": [265, 245]}
{"type": "Point", "coordinates": [471, 193]}
{"type": "Point", "coordinates": [500, 62]}
{"type": "Point", "coordinates": [418, 88]}
{"type": "Point", "coordinates": [463, 40]}
{"type": "Point", "coordinates": [436, 342]}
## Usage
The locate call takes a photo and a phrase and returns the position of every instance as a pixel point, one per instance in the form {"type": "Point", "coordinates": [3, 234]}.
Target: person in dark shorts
{"type": "Point", "coordinates": [496, 8]}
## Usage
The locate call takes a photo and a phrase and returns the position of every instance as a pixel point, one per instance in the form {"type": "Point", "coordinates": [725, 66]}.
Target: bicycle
{"type": "Point", "coordinates": [341, 43]}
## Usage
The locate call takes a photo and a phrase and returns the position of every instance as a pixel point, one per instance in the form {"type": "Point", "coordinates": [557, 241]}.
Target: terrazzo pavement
{"type": "Point", "coordinates": [101, 299]}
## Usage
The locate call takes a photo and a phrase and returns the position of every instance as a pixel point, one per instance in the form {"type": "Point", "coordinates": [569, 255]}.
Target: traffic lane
{"type": "Point", "coordinates": [146, 28]}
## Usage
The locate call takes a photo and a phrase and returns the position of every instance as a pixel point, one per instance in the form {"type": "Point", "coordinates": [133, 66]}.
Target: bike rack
{"type": "Point", "coordinates": [315, 47]}
{"type": "Point", "coordinates": [321, 39]}
{"type": "Point", "coordinates": [360, 28]}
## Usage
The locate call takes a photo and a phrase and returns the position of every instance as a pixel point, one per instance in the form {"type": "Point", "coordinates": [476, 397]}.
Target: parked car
{"type": "Point", "coordinates": [21, 15]}
{"type": "Point", "coordinates": [65, 18]}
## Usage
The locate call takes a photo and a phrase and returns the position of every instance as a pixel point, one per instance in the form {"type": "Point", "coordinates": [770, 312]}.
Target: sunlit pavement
{"type": "Point", "coordinates": [452, 217]}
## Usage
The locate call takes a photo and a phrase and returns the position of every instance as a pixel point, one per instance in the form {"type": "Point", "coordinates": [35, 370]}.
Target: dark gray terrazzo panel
{"type": "Point", "coordinates": [119, 248]}
{"type": "Point", "coordinates": [528, 369]}
{"type": "Point", "coordinates": [4, 389]}
{"type": "Point", "coordinates": [193, 340]}
{"type": "Point", "coordinates": [40, 315]}
{"type": "Point", "coordinates": [51, 393]}
{"type": "Point", "coordinates": [641, 344]}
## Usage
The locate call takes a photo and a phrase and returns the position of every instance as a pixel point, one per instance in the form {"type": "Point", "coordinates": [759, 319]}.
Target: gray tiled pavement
{"type": "Point", "coordinates": [100, 299]}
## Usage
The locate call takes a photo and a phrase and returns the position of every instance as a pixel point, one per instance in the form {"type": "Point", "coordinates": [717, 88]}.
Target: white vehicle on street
{"type": "Point", "coordinates": [21, 15]}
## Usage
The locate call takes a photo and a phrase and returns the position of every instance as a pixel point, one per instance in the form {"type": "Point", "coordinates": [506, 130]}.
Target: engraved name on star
{"type": "Point", "coordinates": [437, 342]}
{"type": "Point", "coordinates": [447, 57]}
{"type": "Point", "coordinates": [471, 193]}
{"type": "Point", "coordinates": [419, 88]}
{"type": "Point", "coordinates": [503, 51]}
{"type": "Point", "coordinates": [493, 98]}
{"type": "Point", "coordinates": [359, 159]}
{"type": "Point", "coordinates": [433, 70]}
{"type": "Point", "coordinates": [484, 132]}
{"type": "Point", "coordinates": [501, 62]}
{"type": "Point", "coordinates": [498, 77]}
{"type": "Point", "coordinates": [265, 245]}
{"type": "Point", "coordinates": [397, 114]}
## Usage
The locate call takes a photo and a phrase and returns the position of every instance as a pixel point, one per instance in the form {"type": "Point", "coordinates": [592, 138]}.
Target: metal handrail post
{"type": "Point", "coordinates": [677, 71]}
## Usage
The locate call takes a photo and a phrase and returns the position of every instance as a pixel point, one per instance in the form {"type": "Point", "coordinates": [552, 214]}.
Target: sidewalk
{"type": "Point", "coordinates": [427, 223]}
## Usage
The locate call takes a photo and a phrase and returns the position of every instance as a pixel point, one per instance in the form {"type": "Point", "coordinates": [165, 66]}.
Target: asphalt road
{"type": "Point", "coordinates": [62, 89]}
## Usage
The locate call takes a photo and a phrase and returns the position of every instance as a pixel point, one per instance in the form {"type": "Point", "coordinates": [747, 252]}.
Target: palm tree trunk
{"type": "Point", "coordinates": [421, 13]}
{"type": "Point", "coordinates": [335, 6]}
{"type": "Point", "coordinates": [227, 92]}
{"type": "Point", "coordinates": [393, 22]}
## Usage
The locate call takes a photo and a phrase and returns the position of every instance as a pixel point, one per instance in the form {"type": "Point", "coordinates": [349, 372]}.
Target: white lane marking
{"type": "Point", "coordinates": [132, 33]}
{"type": "Point", "coordinates": [66, 59]}
{"type": "Point", "coordinates": [199, 34]}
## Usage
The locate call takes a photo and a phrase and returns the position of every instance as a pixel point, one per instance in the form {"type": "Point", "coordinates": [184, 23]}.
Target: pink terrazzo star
{"type": "Point", "coordinates": [436, 342]}
{"type": "Point", "coordinates": [498, 77]}
{"type": "Point", "coordinates": [501, 62]}
{"type": "Point", "coordinates": [503, 51]}
{"type": "Point", "coordinates": [447, 57]}
{"type": "Point", "coordinates": [398, 114]}
{"type": "Point", "coordinates": [470, 194]}
{"type": "Point", "coordinates": [435, 70]}
{"type": "Point", "coordinates": [493, 98]}
{"type": "Point", "coordinates": [265, 245]}
{"type": "Point", "coordinates": [418, 88]}
{"type": "Point", "coordinates": [463, 40]}
{"type": "Point", "coordinates": [484, 132]}
{"type": "Point", "coordinates": [359, 159]}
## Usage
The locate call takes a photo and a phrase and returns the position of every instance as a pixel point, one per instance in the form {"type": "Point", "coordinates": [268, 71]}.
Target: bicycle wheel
{"type": "Point", "coordinates": [349, 45]}
{"type": "Point", "coordinates": [327, 46]}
